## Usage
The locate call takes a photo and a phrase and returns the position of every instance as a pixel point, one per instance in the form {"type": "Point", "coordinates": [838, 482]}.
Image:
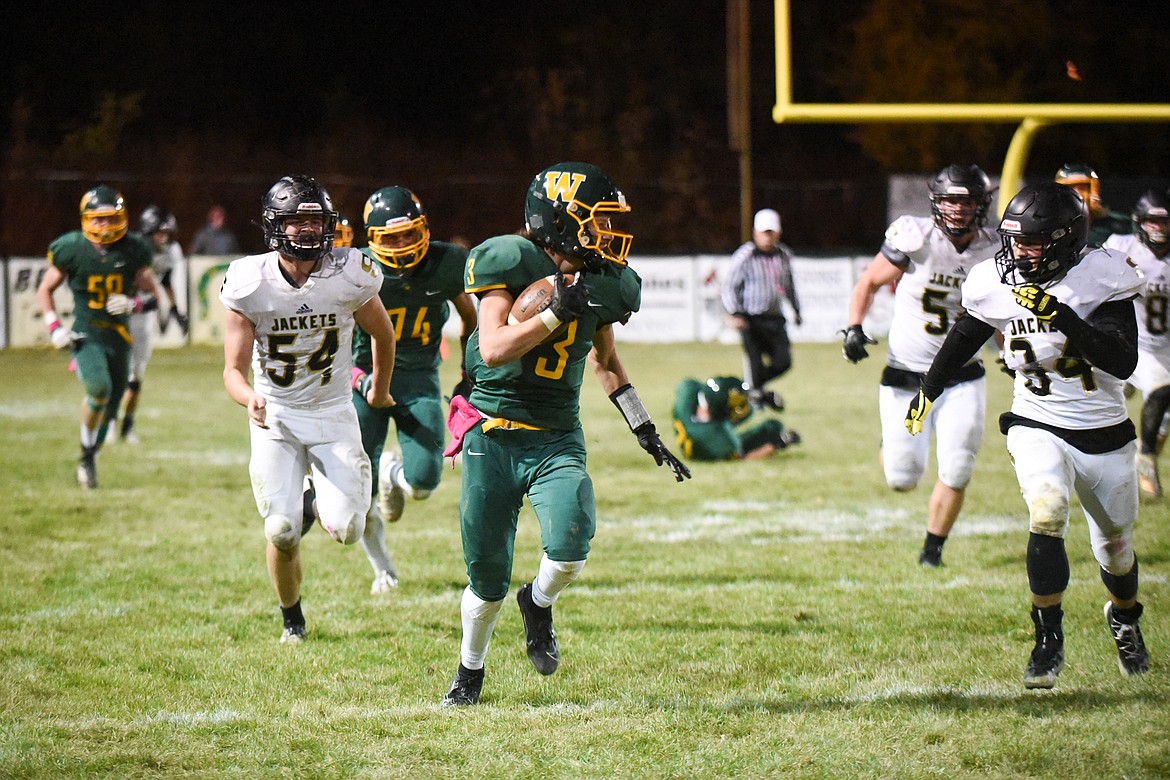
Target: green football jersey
{"type": "Point", "coordinates": [543, 387]}
{"type": "Point", "coordinates": [95, 275]}
{"type": "Point", "coordinates": [711, 440]}
{"type": "Point", "coordinates": [417, 305]}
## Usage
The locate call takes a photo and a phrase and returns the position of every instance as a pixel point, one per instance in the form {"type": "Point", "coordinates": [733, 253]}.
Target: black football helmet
{"type": "Point", "coordinates": [1151, 219]}
{"type": "Point", "coordinates": [156, 219]}
{"type": "Point", "coordinates": [397, 231]}
{"type": "Point", "coordinates": [960, 181]}
{"type": "Point", "coordinates": [297, 196]}
{"type": "Point", "coordinates": [103, 201]}
{"type": "Point", "coordinates": [561, 211]}
{"type": "Point", "coordinates": [1050, 214]}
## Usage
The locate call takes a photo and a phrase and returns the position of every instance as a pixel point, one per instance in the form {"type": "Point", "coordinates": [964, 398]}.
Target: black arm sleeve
{"type": "Point", "coordinates": [961, 344]}
{"type": "Point", "coordinates": [1107, 339]}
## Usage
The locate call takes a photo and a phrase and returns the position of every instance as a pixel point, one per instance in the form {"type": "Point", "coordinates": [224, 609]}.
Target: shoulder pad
{"type": "Point", "coordinates": [905, 234]}
{"type": "Point", "coordinates": [243, 278]}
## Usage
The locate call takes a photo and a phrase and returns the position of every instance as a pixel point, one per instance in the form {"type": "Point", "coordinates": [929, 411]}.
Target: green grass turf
{"type": "Point", "coordinates": [765, 619]}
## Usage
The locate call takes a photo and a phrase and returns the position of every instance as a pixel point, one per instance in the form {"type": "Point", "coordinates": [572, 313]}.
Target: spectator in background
{"type": "Point", "coordinates": [104, 267]}
{"type": "Point", "coordinates": [289, 320]}
{"type": "Point", "coordinates": [214, 238]}
{"type": "Point", "coordinates": [927, 260]}
{"type": "Point", "coordinates": [1149, 248]}
{"type": "Point", "coordinates": [759, 280]}
{"type": "Point", "coordinates": [1103, 221]}
{"type": "Point", "coordinates": [711, 422]}
{"type": "Point", "coordinates": [158, 226]}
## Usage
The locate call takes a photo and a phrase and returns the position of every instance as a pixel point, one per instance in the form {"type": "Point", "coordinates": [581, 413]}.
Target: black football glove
{"type": "Point", "coordinates": [465, 386]}
{"type": "Point", "coordinates": [855, 342]}
{"type": "Point", "coordinates": [569, 301]}
{"type": "Point", "coordinates": [649, 440]}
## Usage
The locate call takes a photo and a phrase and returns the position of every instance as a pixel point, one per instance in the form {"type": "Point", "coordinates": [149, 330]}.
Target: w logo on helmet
{"type": "Point", "coordinates": [562, 186]}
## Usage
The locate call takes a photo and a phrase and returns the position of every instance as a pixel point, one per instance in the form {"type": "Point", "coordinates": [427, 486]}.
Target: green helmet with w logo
{"type": "Point", "coordinates": [569, 209]}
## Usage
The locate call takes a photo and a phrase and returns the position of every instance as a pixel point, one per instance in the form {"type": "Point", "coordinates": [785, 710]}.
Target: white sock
{"type": "Point", "coordinates": [374, 543]}
{"type": "Point", "coordinates": [88, 436]}
{"type": "Point", "coordinates": [479, 620]}
{"type": "Point", "coordinates": [552, 578]}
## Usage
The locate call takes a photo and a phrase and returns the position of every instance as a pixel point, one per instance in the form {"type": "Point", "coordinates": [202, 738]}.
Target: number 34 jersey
{"type": "Point", "coordinates": [926, 300]}
{"type": "Point", "coordinates": [303, 351]}
{"type": "Point", "coordinates": [1054, 385]}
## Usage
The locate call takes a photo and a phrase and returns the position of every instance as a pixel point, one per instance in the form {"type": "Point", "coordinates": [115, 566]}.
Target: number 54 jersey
{"type": "Point", "coordinates": [303, 351]}
{"type": "Point", "coordinates": [1054, 385]}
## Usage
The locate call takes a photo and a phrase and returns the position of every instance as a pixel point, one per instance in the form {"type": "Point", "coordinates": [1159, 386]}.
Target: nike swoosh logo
{"type": "Point", "coordinates": [469, 452]}
{"type": "Point", "coordinates": [434, 292]}
{"type": "Point", "coordinates": [591, 303]}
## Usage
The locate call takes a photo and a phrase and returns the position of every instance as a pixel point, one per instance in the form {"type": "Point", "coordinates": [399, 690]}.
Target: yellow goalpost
{"type": "Point", "coordinates": [1031, 116]}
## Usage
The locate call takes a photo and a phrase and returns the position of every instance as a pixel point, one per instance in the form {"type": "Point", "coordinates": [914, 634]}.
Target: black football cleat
{"type": "Point", "coordinates": [540, 637]}
{"type": "Point", "coordinates": [465, 688]}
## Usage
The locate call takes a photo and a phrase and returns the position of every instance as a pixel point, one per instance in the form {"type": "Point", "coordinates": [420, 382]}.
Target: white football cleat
{"type": "Point", "coordinates": [384, 582]}
{"type": "Point", "coordinates": [391, 499]}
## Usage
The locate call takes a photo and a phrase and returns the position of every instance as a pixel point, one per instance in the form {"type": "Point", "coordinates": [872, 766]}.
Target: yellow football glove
{"type": "Point", "coordinates": [1035, 300]}
{"type": "Point", "coordinates": [916, 413]}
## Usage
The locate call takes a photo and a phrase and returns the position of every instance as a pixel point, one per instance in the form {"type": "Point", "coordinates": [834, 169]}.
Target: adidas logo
{"type": "Point", "coordinates": [305, 309]}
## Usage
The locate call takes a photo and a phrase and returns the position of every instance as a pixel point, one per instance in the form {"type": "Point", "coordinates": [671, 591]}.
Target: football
{"type": "Point", "coordinates": [535, 299]}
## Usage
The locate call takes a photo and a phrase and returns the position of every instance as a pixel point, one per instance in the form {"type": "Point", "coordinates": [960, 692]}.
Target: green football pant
{"type": "Point", "coordinates": [499, 469]}
{"type": "Point", "coordinates": [419, 420]}
{"type": "Point", "coordinates": [103, 367]}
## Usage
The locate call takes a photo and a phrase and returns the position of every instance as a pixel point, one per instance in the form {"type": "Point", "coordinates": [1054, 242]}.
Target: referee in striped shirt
{"type": "Point", "coordinates": [760, 277]}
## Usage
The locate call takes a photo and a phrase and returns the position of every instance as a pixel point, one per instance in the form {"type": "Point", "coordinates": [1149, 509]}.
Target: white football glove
{"type": "Point", "coordinates": [63, 337]}
{"type": "Point", "coordinates": [118, 304]}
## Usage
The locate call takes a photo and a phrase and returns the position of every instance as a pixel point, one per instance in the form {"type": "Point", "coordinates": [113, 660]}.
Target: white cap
{"type": "Point", "coordinates": [767, 219]}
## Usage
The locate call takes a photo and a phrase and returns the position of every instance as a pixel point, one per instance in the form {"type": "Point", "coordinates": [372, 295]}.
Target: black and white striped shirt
{"type": "Point", "coordinates": [758, 281]}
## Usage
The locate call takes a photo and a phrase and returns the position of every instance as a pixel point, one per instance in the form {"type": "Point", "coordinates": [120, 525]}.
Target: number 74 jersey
{"type": "Point", "coordinates": [303, 351]}
{"type": "Point", "coordinates": [1054, 384]}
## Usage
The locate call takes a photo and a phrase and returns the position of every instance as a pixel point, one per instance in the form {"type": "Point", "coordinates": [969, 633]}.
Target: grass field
{"type": "Point", "coordinates": [762, 620]}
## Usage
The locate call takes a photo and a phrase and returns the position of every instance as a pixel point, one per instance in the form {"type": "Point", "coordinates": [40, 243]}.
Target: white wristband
{"type": "Point", "coordinates": [626, 399]}
{"type": "Point", "coordinates": [550, 320]}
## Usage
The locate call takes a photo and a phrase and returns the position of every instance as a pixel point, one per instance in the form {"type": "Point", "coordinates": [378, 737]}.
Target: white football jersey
{"type": "Point", "coordinates": [167, 258]}
{"type": "Point", "coordinates": [1153, 310]}
{"type": "Point", "coordinates": [303, 355]}
{"type": "Point", "coordinates": [1053, 386]}
{"type": "Point", "coordinates": [927, 300]}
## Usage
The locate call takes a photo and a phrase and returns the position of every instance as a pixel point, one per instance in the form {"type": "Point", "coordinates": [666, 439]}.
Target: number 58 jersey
{"type": "Point", "coordinates": [1054, 385]}
{"type": "Point", "coordinates": [303, 351]}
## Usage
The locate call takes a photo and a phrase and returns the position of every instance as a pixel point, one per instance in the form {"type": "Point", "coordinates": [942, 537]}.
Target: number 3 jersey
{"type": "Point", "coordinates": [926, 300]}
{"type": "Point", "coordinates": [1053, 384]}
{"type": "Point", "coordinates": [303, 351]}
{"type": "Point", "coordinates": [542, 388]}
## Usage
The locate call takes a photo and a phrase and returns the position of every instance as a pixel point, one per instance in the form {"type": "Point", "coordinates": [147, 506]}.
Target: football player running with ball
{"type": "Point", "coordinates": [1067, 317]}
{"type": "Point", "coordinates": [105, 268]}
{"type": "Point", "coordinates": [928, 259]}
{"type": "Point", "coordinates": [291, 315]}
{"type": "Point", "coordinates": [419, 277]}
{"type": "Point", "coordinates": [521, 432]}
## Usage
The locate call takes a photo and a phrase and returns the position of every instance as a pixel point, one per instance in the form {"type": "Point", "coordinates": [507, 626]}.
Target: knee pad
{"type": "Point", "coordinates": [349, 531]}
{"type": "Point", "coordinates": [96, 403]}
{"type": "Point", "coordinates": [1047, 565]}
{"type": "Point", "coordinates": [903, 472]}
{"type": "Point", "coordinates": [1152, 416]}
{"type": "Point", "coordinates": [1116, 557]}
{"type": "Point", "coordinates": [418, 494]}
{"type": "Point", "coordinates": [282, 532]}
{"type": "Point", "coordinates": [957, 473]}
{"type": "Point", "coordinates": [134, 385]}
{"type": "Point", "coordinates": [1124, 586]}
{"type": "Point", "coordinates": [1048, 512]}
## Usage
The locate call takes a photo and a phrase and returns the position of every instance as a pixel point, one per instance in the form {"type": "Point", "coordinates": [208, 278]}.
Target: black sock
{"type": "Point", "coordinates": [472, 673]}
{"type": "Point", "coordinates": [933, 541]}
{"type": "Point", "coordinates": [293, 615]}
{"type": "Point", "coordinates": [127, 425]}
